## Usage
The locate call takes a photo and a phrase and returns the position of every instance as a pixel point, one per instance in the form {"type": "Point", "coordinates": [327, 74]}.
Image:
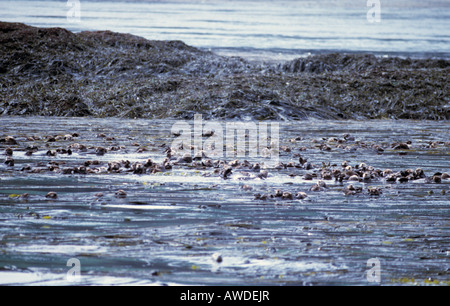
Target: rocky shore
{"type": "Point", "coordinates": [54, 72]}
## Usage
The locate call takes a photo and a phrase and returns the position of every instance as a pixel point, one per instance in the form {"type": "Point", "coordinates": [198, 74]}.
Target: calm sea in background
{"type": "Point", "coordinates": [265, 28]}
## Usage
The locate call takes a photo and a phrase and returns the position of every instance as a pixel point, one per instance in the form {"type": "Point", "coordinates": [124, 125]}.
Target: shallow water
{"type": "Point", "coordinates": [171, 223]}
{"type": "Point", "coordinates": [268, 29]}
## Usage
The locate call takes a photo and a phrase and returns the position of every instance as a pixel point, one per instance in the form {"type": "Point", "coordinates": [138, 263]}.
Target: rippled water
{"type": "Point", "coordinates": [280, 29]}
{"type": "Point", "coordinates": [170, 224]}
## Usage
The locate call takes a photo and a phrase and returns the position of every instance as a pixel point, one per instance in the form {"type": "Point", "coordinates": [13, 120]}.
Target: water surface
{"type": "Point", "coordinates": [170, 224]}
{"type": "Point", "coordinates": [280, 29]}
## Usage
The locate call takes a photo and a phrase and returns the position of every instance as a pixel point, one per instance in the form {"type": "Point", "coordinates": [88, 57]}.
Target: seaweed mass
{"type": "Point", "coordinates": [54, 72]}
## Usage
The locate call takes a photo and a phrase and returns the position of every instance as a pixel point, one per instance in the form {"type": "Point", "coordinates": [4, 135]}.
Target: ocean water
{"type": "Point", "coordinates": [170, 224]}
{"type": "Point", "coordinates": [257, 28]}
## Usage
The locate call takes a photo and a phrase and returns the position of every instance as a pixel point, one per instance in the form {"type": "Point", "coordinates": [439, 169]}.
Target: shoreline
{"type": "Point", "coordinates": [54, 72]}
{"type": "Point", "coordinates": [284, 55]}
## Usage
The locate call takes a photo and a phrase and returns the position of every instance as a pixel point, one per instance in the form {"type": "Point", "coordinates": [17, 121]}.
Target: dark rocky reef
{"type": "Point", "coordinates": [54, 72]}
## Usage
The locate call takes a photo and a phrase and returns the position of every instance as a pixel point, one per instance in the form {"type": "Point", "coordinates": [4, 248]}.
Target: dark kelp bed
{"type": "Point", "coordinates": [53, 72]}
{"type": "Point", "coordinates": [103, 191]}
